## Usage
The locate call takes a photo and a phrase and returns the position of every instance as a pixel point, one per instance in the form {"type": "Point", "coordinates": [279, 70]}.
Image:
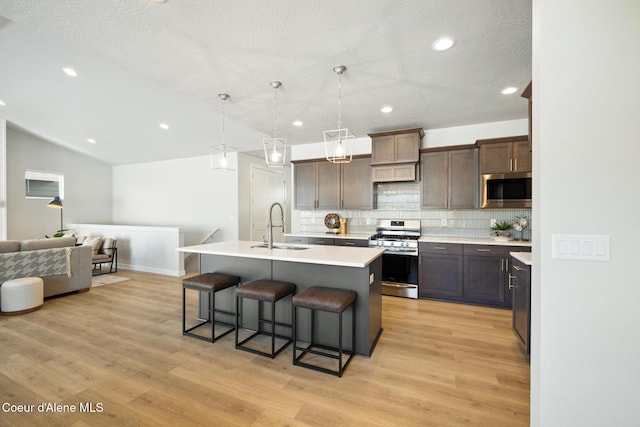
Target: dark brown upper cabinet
{"type": "Point", "coordinates": [395, 154]}
{"type": "Point", "coordinates": [504, 155]}
{"type": "Point", "coordinates": [319, 184]}
{"type": "Point", "coordinates": [449, 178]}
{"type": "Point", "coordinates": [528, 93]}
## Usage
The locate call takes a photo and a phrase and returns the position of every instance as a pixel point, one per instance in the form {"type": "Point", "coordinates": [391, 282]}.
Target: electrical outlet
{"type": "Point", "coordinates": [443, 222]}
{"type": "Point", "coordinates": [493, 222]}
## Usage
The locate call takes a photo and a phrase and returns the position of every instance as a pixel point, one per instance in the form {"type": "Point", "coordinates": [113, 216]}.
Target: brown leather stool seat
{"type": "Point", "coordinates": [263, 291]}
{"type": "Point", "coordinates": [331, 300]}
{"type": "Point", "coordinates": [209, 283]}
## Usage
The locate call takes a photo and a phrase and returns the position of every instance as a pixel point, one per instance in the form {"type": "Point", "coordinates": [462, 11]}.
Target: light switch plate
{"type": "Point", "coordinates": [588, 247]}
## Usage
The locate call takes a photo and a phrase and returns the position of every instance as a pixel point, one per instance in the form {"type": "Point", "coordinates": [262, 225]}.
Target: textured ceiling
{"type": "Point", "coordinates": [141, 63]}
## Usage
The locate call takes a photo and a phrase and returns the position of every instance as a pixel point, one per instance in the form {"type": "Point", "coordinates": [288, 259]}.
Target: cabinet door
{"type": "Point", "coordinates": [407, 148]}
{"type": "Point", "coordinates": [521, 314]}
{"type": "Point", "coordinates": [434, 180]}
{"type": "Point", "coordinates": [485, 274]}
{"type": "Point", "coordinates": [463, 179]}
{"type": "Point", "coordinates": [327, 185]}
{"type": "Point", "coordinates": [484, 279]}
{"type": "Point", "coordinates": [305, 185]}
{"type": "Point", "coordinates": [522, 157]}
{"type": "Point", "coordinates": [496, 158]}
{"type": "Point", "coordinates": [383, 149]}
{"type": "Point", "coordinates": [441, 271]}
{"type": "Point", "coordinates": [357, 186]}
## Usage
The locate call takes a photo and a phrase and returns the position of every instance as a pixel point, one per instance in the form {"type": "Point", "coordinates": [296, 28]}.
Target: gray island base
{"type": "Point", "coordinates": [357, 269]}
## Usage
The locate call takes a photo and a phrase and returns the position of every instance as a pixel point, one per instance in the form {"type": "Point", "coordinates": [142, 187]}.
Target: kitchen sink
{"type": "Point", "coordinates": [277, 246]}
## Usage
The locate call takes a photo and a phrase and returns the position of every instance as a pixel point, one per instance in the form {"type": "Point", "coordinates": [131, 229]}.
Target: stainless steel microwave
{"type": "Point", "coordinates": [506, 190]}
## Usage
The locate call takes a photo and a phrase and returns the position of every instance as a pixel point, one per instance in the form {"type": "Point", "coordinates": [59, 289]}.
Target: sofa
{"type": "Point", "coordinates": [63, 266]}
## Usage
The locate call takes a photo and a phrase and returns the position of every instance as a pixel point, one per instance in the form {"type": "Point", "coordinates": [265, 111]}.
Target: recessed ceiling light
{"type": "Point", "coordinates": [164, 126]}
{"type": "Point", "coordinates": [298, 123]}
{"type": "Point", "coordinates": [386, 109]}
{"type": "Point", "coordinates": [2, 103]}
{"type": "Point", "coordinates": [70, 72]}
{"type": "Point", "coordinates": [443, 43]}
{"type": "Point", "coordinates": [91, 140]}
{"type": "Point", "coordinates": [509, 90]}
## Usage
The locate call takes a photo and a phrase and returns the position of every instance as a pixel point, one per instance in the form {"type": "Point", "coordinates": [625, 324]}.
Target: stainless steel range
{"type": "Point", "coordinates": [399, 238]}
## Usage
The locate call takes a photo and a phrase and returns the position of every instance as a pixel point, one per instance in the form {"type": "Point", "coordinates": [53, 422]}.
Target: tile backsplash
{"type": "Point", "coordinates": [402, 201]}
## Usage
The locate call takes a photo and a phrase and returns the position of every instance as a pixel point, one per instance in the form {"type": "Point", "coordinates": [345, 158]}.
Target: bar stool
{"type": "Point", "coordinates": [330, 300]}
{"type": "Point", "coordinates": [263, 291]}
{"type": "Point", "coordinates": [209, 283]}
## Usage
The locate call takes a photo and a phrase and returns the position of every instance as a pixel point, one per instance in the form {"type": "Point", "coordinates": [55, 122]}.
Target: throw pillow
{"type": "Point", "coordinates": [94, 242]}
{"type": "Point", "coordinates": [107, 246]}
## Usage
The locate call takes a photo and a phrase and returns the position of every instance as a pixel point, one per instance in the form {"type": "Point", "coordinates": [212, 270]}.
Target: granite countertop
{"type": "Point", "coordinates": [343, 256]}
{"type": "Point", "coordinates": [523, 257]}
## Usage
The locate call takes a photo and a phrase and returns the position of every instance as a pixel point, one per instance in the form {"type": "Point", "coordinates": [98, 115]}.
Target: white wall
{"type": "Point", "coordinates": [141, 248]}
{"type": "Point", "coordinates": [462, 135]}
{"type": "Point", "coordinates": [182, 193]}
{"type": "Point", "coordinates": [586, 322]}
{"type": "Point", "coordinates": [87, 184]}
{"type": "Point", "coordinates": [3, 179]}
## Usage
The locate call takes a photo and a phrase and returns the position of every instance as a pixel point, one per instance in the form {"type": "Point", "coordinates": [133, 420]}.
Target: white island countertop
{"type": "Point", "coordinates": [343, 256]}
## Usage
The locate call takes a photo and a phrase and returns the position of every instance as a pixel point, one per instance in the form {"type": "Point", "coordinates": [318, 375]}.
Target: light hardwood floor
{"type": "Point", "coordinates": [121, 346]}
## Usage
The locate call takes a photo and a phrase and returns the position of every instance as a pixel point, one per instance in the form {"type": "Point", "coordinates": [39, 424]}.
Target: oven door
{"type": "Point", "coordinates": [400, 275]}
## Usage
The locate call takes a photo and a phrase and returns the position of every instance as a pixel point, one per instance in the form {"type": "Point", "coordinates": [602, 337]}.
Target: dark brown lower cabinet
{"type": "Point", "coordinates": [476, 274]}
{"type": "Point", "coordinates": [440, 271]}
{"type": "Point", "coordinates": [520, 282]}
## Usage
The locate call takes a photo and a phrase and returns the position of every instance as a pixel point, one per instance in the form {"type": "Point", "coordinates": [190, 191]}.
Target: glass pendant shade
{"type": "Point", "coordinates": [275, 149]}
{"type": "Point", "coordinates": [338, 143]}
{"type": "Point", "coordinates": [275, 152]}
{"type": "Point", "coordinates": [223, 157]}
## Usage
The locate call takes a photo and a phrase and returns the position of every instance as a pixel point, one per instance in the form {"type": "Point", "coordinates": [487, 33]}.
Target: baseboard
{"type": "Point", "coordinates": [163, 271]}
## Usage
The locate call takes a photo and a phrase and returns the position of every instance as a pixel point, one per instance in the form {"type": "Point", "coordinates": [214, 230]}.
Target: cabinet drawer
{"type": "Point", "coordinates": [296, 239]}
{"type": "Point", "coordinates": [486, 250]}
{"type": "Point", "coordinates": [321, 240]}
{"type": "Point", "coordinates": [440, 248]}
{"type": "Point", "coordinates": [351, 242]}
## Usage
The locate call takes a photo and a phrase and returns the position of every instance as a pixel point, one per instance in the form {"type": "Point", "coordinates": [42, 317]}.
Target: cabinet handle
{"type": "Point", "coordinates": [440, 248]}
{"type": "Point", "coordinates": [511, 165]}
{"type": "Point", "coordinates": [483, 250]}
{"type": "Point", "coordinates": [511, 285]}
{"type": "Point", "coordinates": [349, 244]}
{"type": "Point", "coordinates": [506, 264]}
{"type": "Point", "coordinates": [502, 264]}
{"type": "Point", "coordinates": [515, 162]}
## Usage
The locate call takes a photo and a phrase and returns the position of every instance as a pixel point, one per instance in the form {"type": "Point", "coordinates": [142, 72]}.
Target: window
{"type": "Point", "coordinates": [43, 185]}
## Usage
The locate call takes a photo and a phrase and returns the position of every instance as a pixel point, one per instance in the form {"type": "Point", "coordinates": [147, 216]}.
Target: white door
{"type": "Point", "coordinates": [267, 187]}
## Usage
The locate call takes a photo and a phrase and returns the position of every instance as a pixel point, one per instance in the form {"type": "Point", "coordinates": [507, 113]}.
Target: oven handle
{"type": "Point", "coordinates": [411, 252]}
{"type": "Point", "coordinates": [399, 285]}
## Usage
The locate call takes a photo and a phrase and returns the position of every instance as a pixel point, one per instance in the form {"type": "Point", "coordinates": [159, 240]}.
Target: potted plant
{"type": "Point", "coordinates": [501, 230]}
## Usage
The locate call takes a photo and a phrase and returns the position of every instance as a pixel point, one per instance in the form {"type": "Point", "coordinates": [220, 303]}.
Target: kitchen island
{"type": "Point", "coordinates": [357, 269]}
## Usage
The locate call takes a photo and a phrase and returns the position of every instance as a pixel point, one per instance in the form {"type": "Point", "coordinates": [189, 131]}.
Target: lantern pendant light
{"type": "Point", "coordinates": [275, 149]}
{"type": "Point", "coordinates": [338, 143]}
{"type": "Point", "coordinates": [223, 157]}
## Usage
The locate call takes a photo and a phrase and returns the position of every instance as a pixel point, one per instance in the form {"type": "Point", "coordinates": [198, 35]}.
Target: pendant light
{"type": "Point", "coordinates": [223, 157]}
{"type": "Point", "coordinates": [338, 143]}
{"type": "Point", "coordinates": [275, 149]}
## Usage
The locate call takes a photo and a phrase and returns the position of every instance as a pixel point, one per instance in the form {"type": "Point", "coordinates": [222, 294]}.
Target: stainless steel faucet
{"type": "Point", "coordinates": [271, 226]}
